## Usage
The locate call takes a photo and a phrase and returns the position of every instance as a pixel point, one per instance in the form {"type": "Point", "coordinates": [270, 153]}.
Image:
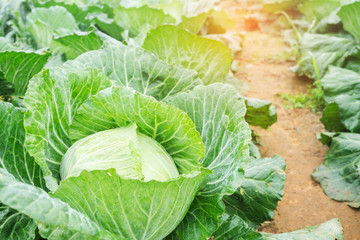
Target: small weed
{"type": "Point", "coordinates": [313, 99]}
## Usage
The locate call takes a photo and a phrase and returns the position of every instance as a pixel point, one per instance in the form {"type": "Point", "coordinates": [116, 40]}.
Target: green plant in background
{"type": "Point", "coordinates": [330, 56]}
{"type": "Point", "coordinates": [313, 99]}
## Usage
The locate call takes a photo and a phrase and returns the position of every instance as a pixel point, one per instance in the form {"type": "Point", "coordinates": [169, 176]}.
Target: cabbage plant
{"type": "Point", "coordinates": [134, 178]}
{"type": "Point", "coordinates": [107, 151]}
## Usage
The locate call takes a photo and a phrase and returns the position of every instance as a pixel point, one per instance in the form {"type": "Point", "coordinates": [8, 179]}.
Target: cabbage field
{"type": "Point", "coordinates": [128, 119]}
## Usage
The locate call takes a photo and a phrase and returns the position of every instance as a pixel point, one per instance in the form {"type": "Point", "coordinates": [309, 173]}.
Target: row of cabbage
{"type": "Point", "coordinates": [116, 124]}
{"type": "Point", "coordinates": [331, 55]}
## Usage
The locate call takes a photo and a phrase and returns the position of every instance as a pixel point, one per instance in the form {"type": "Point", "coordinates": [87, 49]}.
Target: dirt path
{"type": "Point", "coordinates": [294, 138]}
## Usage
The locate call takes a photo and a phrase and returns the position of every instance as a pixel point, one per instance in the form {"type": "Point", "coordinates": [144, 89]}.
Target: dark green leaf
{"type": "Point", "coordinates": [257, 197]}
{"type": "Point", "coordinates": [331, 118]}
{"type": "Point", "coordinates": [339, 174]}
{"type": "Point", "coordinates": [77, 43]}
{"type": "Point", "coordinates": [260, 113]}
{"type": "Point", "coordinates": [19, 66]}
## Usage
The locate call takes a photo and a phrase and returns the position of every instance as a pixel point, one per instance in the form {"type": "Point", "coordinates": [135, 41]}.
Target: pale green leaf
{"type": "Point", "coordinates": [350, 18]}
{"type": "Point", "coordinates": [45, 210]}
{"type": "Point", "coordinates": [235, 228]}
{"type": "Point", "coordinates": [131, 209]}
{"type": "Point", "coordinates": [210, 58]}
{"type": "Point", "coordinates": [140, 20]}
{"type": "Point", "coordinates": [133, 67]}
{"type": "Point", "coordinates": [44, 23]}
{"type": "Point", "coordinates": [320, 51]}
{"type": "Point", "coordinates": [330, 230]}
{"type": "Point", "coordinates": [318, 9]}
{"type": "Point", "coordinates": [52, 100]}
{"type": "Point", "coordinates": [6, 45]}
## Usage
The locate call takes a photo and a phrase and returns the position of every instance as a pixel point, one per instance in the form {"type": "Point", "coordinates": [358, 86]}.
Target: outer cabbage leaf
{"type": "Point", "coordinates": [19, 66]}
{"type": "Point", "coordinates": [254, 151]}
{"type": "Point", "coordinates": [77, 44]}
{"type": "Point", "coordinates": [176, 8]}
{"type": "Point", "coordinates": [350, 18]}
{"type": "Point", "coordinates": [233, 227]}
{"type": "Point", "coordinates": [44, 23]}
{"type": "Point", "coordinates": [201, 219]}
{"type": "Point", "coordinates": [331, 118]}
{"type": "Point", "coordinates": [138, 21]}
{"type": "Point", "coordinates": [106, 25]}
{"type": "Point", "coordinates": [279, 5]}
{"type": "Point", "coordinates": [133, 67]}
{"type": "Point", "coordinates": [51, 214]}
{"type": "Point", "coordinates": [231, 39]}
{"type": "Point", "coordinates": [342, 97]}
{"type": "Point", "coordinates": [7, 8]}
{"type": "Point", "coordinates": [218, 22]}
{"type": "Point", "coordinates": [210, 58]}
{"type": "Point", "coordinates": [343, 114]}
{"type": "Point", "coordinates": [218, 113]}
{"type": "Point", "coordinates": [6, 45]}
{"type": "Point", "coordinates": [318, 9]}
{"type": "Point", "coordinates": [331, 23]}
{"type": "Point", "coordinates": [349, 110]}
{"type": "Point", "coordinates": [326, 137]}
{"type": "Point", "coordinates": [353, 63]}
{"type": "Point", "coordinates": [15, 159]}
{"type": "Point", "coordinates": [194, 8]}
{"type": "Point", "coordinates": [260, 113]}
{"type": "Point", "coordinates": [131, 209]}
{"type": "Point", "coordinates": [193, 24]}
{"type": "Point", "coordinates": [257, 197]}
{"type": "Point", "coordinates": [340, 81]}
{"type": "Point", "coordinates": [52, 100]}
{"type": "Point", "coordinates": [326, 50]}
{"type": "Point", "coordinates": [339, 174]}
{"type": "Point", "coordinates": [79, 9]}
{"type": "Point", "coordinates": [15, 226]}
{"type": "Point", "coordinates": [116, 107]}
{"type": "Point", "coordinates": [330, 230]}
{"type": "Point", "coordinates": [13, 155]}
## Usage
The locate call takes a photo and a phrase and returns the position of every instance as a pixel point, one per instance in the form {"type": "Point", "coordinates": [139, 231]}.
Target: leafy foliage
{"type": "Point", "coordinates": [331, 57]}
{"type": "Point", "coordinates": [75, 71]}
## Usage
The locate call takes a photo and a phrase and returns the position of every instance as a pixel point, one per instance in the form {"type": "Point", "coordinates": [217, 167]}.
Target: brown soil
{"type": "Point", "coordinates": [293, 137]}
